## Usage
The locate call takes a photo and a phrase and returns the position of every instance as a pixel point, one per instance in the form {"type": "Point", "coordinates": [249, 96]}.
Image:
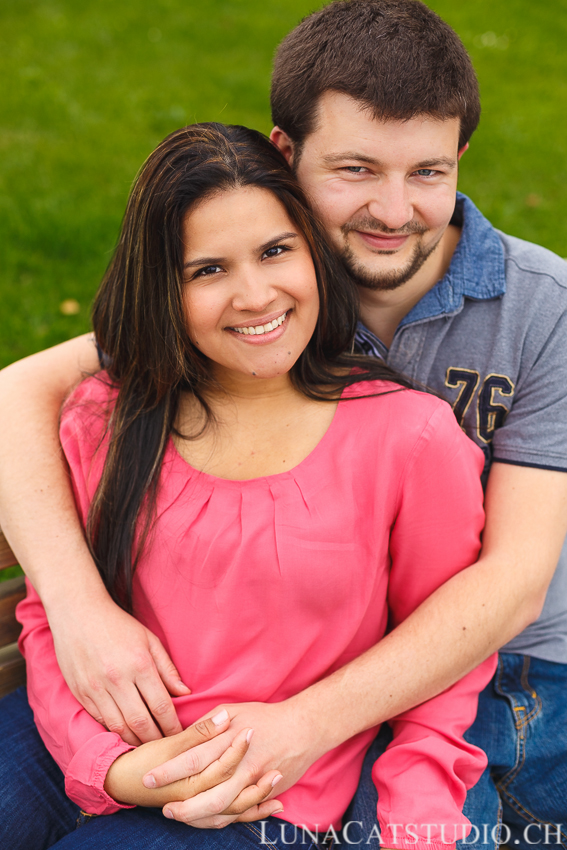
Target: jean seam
{"type": "Point", "coordinates": [269, 843]}
{"type": "Point", "coordinates": [520, 723]}
{"type": "Point", "coordinates": [528, 688]}
{"type": "Point", "coordinates": [519, 726]}
{"type": "Point", "coordinates": [500, 817]}
{"type": "Point", "coordinates": [503, 784]}
{"type": "Point", "coordinates": [527, 815]}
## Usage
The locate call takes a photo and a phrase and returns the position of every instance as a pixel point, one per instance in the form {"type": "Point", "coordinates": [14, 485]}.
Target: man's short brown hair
{"type": "Point", "coordinates": [395, 56]}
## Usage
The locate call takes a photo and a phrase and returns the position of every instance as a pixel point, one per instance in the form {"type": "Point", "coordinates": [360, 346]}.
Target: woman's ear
{"type": "Point", "coordinates": [284, 144]}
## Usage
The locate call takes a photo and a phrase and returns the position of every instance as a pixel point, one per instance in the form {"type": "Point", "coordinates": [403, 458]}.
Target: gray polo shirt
{"type": "Point", "coordinates": [491, 337]}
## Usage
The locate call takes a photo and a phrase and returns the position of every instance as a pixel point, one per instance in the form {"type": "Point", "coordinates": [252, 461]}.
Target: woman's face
{"type": "Point", "coordinates": [251, 296]}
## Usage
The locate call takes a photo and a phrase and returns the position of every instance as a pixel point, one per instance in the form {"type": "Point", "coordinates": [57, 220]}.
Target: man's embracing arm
{"type": "Point", "coordinates": [467, 619]}
{"type": "Point", "coordinates": [116, 669]}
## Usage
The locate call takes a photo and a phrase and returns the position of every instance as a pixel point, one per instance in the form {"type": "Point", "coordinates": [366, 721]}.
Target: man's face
{"type": "Point", "coordinates": [385, 190]}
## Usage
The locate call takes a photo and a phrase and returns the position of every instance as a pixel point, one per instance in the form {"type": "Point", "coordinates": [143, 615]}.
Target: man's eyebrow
{"type": "Point", "coordinates": [334, 158]}
{"type": "Point", "coordinates": [217, 261]}
{"type": "Point", "coordinates": [446, 161]}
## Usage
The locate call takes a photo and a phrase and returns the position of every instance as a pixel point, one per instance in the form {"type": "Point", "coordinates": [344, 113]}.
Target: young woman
{"type": "Point", "coordinates": [264, 501]}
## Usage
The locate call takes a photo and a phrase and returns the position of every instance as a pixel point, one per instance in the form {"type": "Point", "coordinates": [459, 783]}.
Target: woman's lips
{"type": "Point", "coordinates": [260, 334]}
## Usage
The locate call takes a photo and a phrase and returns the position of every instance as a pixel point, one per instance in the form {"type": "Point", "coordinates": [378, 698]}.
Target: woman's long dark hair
{"type": "Point", "coordinates": [140, 325]}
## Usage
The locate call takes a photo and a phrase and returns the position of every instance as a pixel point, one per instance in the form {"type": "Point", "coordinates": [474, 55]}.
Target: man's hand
{"type": "Point", "coordinates": [283, 744]}
{"type": "Point", "coordinates": [124, 778]}
{"type": "Point", "coordinates": [118, 670]}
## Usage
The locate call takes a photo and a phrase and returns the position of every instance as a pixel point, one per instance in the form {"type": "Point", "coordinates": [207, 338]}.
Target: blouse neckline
{"type": "Point", "coordinates": [172, 454]}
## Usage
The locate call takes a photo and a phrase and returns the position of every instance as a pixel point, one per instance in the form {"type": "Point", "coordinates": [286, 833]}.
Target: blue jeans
{"type": "Point", "coordinates": [522, 726]}
{"type": "Point", "coordinates": [35, 812]}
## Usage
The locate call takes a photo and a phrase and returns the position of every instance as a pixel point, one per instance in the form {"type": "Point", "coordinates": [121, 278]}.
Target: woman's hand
{"type": "Point", "coordinates": [285, 742]}
{"type": "Point", "coordinates": [124, 778]}
{"type": "Point", "coordinates": [118, 670]}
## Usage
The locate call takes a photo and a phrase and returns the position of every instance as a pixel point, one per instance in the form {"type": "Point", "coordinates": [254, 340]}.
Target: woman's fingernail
{"type": "Point", "coordinates": [276, 779]}
{"type": "Point", "coordinates": [279, 811]}
{"type": "Point", "coordinates": [249, 735]}
{"type": "Point", "coordinates": [149, 781]}
{"type": "Point", "coordinates": [183, 685]}
{"type": "Point", "coordinates": [168, 813]}
{"type": "Point", "coordinates": [220, 718]}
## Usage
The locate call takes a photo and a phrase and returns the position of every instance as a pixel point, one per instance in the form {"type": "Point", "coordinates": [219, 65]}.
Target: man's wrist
{"type": "Point", "coordinates": [315, 721]}
{"type": "Point", "coordinates": [71, 589]}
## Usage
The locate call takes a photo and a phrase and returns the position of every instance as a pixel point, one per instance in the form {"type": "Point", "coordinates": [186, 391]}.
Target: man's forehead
{"type": "Point", "coordinates": [348, 129]}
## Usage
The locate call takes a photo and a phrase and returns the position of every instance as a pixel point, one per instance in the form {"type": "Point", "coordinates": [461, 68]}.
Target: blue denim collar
{"type": "Point", "coordinates": [476, 270]}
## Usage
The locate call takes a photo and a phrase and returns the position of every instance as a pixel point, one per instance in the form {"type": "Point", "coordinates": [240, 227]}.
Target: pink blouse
{"type": "Point", "coordinates": [259, 588]}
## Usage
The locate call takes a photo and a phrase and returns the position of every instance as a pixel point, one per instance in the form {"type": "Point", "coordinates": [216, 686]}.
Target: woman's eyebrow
{"type": "Point", "coordinates": [213, 261]}
{"type": "Point", "coordinates": [204, 261]}
{"type": "Point", "coordinates": [276, 239]}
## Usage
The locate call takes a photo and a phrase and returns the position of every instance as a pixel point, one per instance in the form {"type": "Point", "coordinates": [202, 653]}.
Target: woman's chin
{"type": "Point", "coordinates": [253, 371]}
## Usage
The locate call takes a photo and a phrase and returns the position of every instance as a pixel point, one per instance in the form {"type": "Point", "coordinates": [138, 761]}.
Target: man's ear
{"type": "Point", "coordinates": [283, 142]}
{"type": "Point", "coordinates": [462, 150]}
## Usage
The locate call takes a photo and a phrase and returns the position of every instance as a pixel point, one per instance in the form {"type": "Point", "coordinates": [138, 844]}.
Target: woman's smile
{"type": "Point", "coordinates": [266, 329]}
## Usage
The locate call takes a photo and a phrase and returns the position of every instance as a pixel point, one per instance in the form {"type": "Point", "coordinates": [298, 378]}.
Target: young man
{"type": "Point", "coordinates": [478, 316]}
{"type": "Point", "coordinates": [374, 102]}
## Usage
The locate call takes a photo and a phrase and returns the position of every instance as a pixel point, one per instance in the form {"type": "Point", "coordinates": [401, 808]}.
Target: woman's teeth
{"type": "Point", "coordinates": [262, 329]}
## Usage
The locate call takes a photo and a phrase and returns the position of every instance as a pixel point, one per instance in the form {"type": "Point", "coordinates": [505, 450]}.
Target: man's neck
{"type": "Point", "coordinates": [382, 311]}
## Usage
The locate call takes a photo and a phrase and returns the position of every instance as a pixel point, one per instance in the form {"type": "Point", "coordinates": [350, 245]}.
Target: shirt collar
{"type": "Point", "coordinates": [476, 270]}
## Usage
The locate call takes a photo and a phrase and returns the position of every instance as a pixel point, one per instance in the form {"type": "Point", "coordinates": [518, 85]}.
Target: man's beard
{"type": "Point", "coordinates": [386, 280]}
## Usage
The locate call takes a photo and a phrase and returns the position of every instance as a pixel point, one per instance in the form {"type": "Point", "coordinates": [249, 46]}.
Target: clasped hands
{"type": "Point", "coordinates": [208, 775]}
{"type": "Point", "coordinates": [224, 768]}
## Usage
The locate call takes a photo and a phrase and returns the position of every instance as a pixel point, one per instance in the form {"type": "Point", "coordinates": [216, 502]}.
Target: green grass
{"type": "Point", "coordinates": [91, 86]}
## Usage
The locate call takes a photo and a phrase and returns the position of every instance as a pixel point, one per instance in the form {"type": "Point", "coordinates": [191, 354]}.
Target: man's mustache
{"type": "Point", "coordinates": [374, 225]}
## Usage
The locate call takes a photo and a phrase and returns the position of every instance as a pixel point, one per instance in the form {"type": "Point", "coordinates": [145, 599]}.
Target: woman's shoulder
{"type": "Point", "coordinates": [376, 395]}
{"type": "Point", "coordinates": [402, 417]}
{"type": "Point", "coordinates": [94, 390]}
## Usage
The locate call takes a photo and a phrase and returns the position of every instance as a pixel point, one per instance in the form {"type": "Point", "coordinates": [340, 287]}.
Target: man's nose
{"type": "Point", "coordinates": [391, 203]}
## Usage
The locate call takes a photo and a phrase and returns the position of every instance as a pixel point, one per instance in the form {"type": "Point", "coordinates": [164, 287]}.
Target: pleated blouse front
{"type": "Point", "coordinates": [260, 588]}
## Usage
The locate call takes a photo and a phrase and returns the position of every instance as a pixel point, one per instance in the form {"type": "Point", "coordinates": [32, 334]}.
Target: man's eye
{"type": "Point", "coordinates": [355, 169]}
{"type": "Point", "coordinates": [426, 172]}
{"type": "Point", "coordinates": [275, 251]}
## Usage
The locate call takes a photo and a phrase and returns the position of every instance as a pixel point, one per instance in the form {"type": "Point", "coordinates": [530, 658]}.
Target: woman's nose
{"type": "Point", "coordinates": [253, 291]}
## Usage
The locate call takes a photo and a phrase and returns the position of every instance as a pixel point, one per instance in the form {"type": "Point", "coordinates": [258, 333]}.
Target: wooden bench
{"type": "Point", "coordinates": [12, 665]}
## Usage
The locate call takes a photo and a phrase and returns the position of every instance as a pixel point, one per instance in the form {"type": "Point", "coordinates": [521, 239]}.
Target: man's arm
{"type": "Point", "coordinates": [109, 660]}
{"type": "Point", "coordinates": [471, 616]}
{"type": "Point", "coordinates": [455, 629]}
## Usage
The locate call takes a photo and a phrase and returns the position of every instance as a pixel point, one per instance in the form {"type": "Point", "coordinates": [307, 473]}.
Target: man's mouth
{"type": "Point", "coordinates": [256, 330]}
{"type": "Point", "coordinates": [382, 242]}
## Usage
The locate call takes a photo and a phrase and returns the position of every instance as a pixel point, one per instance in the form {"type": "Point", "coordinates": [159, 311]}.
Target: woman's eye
{"type": "Point", "coordinates": [275, 251]}
{"type": "Point", "coordinates": [206, 270]}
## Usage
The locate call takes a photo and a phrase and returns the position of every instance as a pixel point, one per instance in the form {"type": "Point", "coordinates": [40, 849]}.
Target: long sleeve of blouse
{"type": "Point", "coordinates": [318, 560]}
